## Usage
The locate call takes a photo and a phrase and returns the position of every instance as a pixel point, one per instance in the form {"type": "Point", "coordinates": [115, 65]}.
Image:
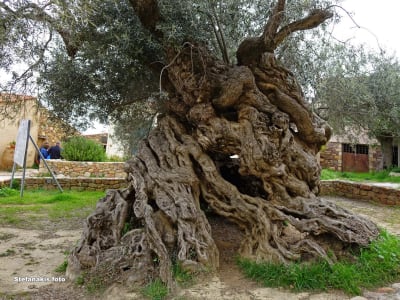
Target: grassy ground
{"type": "Point", "coordinates": [382, 176]}
{"type": "Point", "coordinates": [372, 267]}
{"type": "Point", "coordinates": [41, 206]}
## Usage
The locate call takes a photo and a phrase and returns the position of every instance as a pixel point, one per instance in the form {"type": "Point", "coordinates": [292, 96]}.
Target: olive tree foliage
{"type": "Point", "coordinates": [90, 60]}
{"type": "Point", "coordinates": [362, 93]}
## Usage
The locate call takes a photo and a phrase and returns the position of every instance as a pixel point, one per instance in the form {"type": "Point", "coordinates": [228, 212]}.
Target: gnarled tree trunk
{"type": "Point", "coordinates": [239, 140]}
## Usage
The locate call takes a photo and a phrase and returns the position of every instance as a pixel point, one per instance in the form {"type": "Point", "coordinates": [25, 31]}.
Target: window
{"type": "Point", "coordinates": [358, 149]}
{"type": "Point", "coordinates": [395, 159]}
{"type": "Point", "coordinates": [348, 148]}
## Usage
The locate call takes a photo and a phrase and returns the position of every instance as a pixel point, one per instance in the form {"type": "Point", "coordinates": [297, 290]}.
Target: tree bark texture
{"type": "Point", "coordinates": [237, 140]}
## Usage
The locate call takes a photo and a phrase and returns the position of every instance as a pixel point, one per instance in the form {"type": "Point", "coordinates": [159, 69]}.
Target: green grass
{"type": "Point", "coordinates": [182, 277]}
{"type": "Point", "coordinates": [381, 176]}
{"type": "Point", "coordinates": [374, 266]}
{"type": "Point", "coordinates": [63, 267]}
{"type": "Point", "coordinates": [155, 290]}
{"type": "Point", "coordinates": [44, 204]}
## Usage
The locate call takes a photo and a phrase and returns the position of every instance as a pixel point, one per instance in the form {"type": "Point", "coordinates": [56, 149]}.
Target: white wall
{"type": "Point", "coordinates": [114, 148]}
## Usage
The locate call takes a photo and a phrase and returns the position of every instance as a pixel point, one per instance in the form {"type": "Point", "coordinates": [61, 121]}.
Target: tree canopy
{"type": "Point", "coordinates": [93, 59]}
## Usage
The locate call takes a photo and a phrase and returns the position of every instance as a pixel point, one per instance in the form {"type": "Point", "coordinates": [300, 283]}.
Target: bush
{"type": "Point", "coordinates": [78, 148]}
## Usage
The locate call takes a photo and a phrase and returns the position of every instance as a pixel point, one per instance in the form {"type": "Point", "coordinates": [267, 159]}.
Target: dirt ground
{"type": "Point", "coordinates": [28, 254]}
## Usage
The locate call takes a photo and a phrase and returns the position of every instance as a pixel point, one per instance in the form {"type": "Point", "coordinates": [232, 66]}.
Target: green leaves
{"type": "Point", "coordinates": [81, 149]}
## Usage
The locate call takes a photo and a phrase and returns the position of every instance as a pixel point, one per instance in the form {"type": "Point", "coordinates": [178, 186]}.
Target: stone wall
{"type": "Point", "coordinates": [79, 183]}
{"type": "Point", "coordinates": [331, 156]}
{"type": "Point", "coordinates": [375, 158]}
{"type": "Point", "coordinates": [52, 129]}
{"type": "Point", "coordinates": [84, 168]}
{"type": "Point", "coordinates": [361, 191]}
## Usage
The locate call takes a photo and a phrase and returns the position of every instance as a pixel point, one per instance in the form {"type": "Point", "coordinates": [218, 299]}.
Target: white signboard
{"type": "Point", "coordinates": [22, 142]}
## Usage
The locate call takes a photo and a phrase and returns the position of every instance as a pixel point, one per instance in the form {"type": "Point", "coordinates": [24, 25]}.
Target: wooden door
{"type": "Point", "coordinates": [355, 158]}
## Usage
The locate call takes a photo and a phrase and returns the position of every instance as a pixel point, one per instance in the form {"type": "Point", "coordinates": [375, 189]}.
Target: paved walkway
{"type": "Point", "coordinates": [5, 175]}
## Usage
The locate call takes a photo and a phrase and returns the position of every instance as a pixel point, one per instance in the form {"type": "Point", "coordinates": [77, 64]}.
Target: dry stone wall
{"type": "Point", "coordinates": [79, 183]}
{"type": "Point", "coordinates": [361, 191]}
{"type": "Point", "coordinates": [331, 156]}
{"type": "Point", "coordinates": [84, 169]}
{"type": "Point", "coordinates": [53, 129]}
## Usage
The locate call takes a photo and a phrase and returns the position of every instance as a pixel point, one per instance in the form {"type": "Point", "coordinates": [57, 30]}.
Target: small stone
{"type": "Point", "coordinates": [386, 290]}
{"type": "Point", "coordinates": [396, 286]}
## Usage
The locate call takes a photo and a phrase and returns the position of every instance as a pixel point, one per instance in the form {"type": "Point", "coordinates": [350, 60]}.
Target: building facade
{"type": "Point", "coordinates": [44, 127]}
{"type": "Point", "coordinates": [356, 154]}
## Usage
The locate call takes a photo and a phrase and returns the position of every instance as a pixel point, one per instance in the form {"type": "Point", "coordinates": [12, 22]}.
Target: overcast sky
{"type": "Point", "coordinates": [379, 20]}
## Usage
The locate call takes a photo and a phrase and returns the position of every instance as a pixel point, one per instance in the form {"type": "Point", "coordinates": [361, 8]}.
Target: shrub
{"type": "Point", "coordinates": [78, 148]}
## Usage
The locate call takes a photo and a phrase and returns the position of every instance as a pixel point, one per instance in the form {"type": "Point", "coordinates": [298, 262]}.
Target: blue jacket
{"type": "Point", "coordinates": [45, 153]}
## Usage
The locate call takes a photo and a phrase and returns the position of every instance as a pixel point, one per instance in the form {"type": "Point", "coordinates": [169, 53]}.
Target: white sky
{"type": "Point", "coordinates": [380, 22]}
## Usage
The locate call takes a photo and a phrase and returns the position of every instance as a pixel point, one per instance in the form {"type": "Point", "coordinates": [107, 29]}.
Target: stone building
{"type": "Point", "coordinates": [44, 126]}
{"type": "Point", "coordinates": [356, 154]}
{"type": "Point", "coordinates": [100, 138]}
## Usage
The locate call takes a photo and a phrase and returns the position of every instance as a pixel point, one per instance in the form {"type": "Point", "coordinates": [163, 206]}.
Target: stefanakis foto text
{"type": "Point", "coordinates": [39, 279]}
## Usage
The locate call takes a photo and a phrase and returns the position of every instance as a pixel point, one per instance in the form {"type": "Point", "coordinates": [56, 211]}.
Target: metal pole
{"type": "Point", "coordinates": [12, 174]}
{"type": "Point", "coordinates": [45, 163]}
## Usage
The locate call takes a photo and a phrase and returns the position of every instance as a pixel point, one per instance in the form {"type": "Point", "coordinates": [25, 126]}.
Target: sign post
{"type": "Point", "coordinates": [20, 154]}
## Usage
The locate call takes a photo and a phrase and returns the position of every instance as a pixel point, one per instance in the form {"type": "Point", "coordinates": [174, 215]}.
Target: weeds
{"type": "Point", "coordinates": [376, 265]}
{"type": "Point", "coordinates": [62, 268]}
{"type": "Point", "coordinates": [95, 285]}
{"type": "Point", "coordinates": [6, 192]}
{"type": "Point", "coordinates": [9, 252]}
{"type": "Point", "coordinates": [155, 290]}
{"type": "Point", "coordinates": [80, 280]}
{"type": "Point", "coordinates": [181, 276]}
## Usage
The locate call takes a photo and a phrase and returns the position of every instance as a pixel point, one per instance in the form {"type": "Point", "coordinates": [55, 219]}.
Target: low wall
{"type": "Point", "coordinates": [79, 183]}
{"type": "Point", "coordinates": [361, 191]}
{"type": "Point", "coordinates": [84, 168]}
{"type": "Point", "coordinates": [352, 190]}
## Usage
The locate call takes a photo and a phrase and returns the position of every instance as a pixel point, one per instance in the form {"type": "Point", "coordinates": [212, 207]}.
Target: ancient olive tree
{"type": "Point", "coordinates": [234, 138]}
{"type": "Point", "coordinates": [238, 139]}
